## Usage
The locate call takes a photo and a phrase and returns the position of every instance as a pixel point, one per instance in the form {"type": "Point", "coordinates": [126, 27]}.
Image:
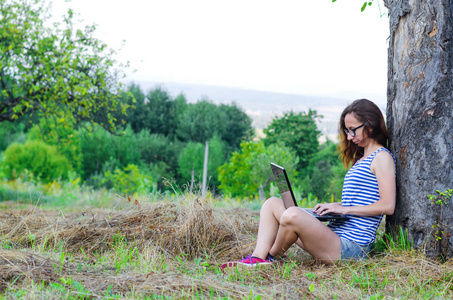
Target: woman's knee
{"type": "Point", "coordinates": [273, 206]}
{"type": "Point", "coordinates": [291, 216]}
{"type": "Point", "coordinates": [272, 202]}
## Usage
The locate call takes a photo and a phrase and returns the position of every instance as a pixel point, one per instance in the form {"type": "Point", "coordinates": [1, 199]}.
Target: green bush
{"type": "Point", "coordinates": [129, 180]}
{"type": "Point", "coordinates": [248, 172]}
{"type": "Point", "coordinates": [37, 159]}
{"type": "Point", "coordinates": [63, 137]}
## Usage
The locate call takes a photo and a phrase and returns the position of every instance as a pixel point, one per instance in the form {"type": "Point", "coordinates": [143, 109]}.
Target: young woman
{"type": "Point", "coordinates": [368, 193]}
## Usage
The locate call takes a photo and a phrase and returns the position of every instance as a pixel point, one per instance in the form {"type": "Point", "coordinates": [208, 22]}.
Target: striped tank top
{"type": "Point", "coordinates": [360, 188]}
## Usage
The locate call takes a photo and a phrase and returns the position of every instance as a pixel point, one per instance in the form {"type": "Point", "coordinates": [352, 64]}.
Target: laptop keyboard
{"type": "Point", "coordinates": [326, 217]}
{"type": "Point", "coordinates": [310, 211]}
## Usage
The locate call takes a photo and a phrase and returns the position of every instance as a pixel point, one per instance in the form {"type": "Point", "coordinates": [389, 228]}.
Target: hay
{"type": "Point", "coordinates": [162, 231]}
{"type": "Point", "coordinates": [17, 265]}
{"type": "Point", "coordinates": [190, 227]}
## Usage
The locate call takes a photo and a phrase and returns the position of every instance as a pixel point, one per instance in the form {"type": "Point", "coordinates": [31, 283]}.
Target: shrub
{"type": "Point", "coordinates": [40, 160]}
{"type": "Point", "coordinates": [129, 180]}
{"type": "Point", "coordinates": [63, 137]}
{"type": "Point", "coordinates": [248, 172]}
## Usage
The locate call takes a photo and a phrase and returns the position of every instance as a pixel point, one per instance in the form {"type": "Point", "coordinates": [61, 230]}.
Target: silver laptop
{"type": "Point", "coordinates": [287, 195]}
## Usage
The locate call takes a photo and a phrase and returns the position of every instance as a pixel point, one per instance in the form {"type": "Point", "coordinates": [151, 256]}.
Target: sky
{"type": "Point", "coordinates": [296, 47]}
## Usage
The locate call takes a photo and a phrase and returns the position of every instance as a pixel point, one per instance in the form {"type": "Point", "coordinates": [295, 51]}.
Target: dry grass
{"type": "Point", "coordinates": [174, 249]}
{"type": "Point", "coordinates": [188, 226]}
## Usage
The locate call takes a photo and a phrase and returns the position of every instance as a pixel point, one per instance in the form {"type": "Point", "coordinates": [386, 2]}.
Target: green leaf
{"type": "Point", "coordinates": [363, 6]}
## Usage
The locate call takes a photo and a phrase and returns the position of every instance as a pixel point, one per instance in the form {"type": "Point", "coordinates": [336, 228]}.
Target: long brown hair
{"type": "Point", "coordinates": [369, 114]}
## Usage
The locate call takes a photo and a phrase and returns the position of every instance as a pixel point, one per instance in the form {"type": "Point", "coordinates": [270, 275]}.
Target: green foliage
{"type": "Point", "coordinates": [161, 112]}
{"type": "Point", "coordinates": [337, 180]}
{"type": "Point", "coordinates": [100, 146]}
{"type": "Point", "coordinates": [237, 126]}
{"type": "Point", "coordinates": [136, 116]}
{"type": "Point", "coordinates": [11, 133]}
{"type": "Point", "coordinates": [398, 240]}
{"type": "Point", "coordinates": [36, 158]}
{"type": "Point", "coordinates": [54, 71]}
{"type": "Point", "coordinates": [163, 125]}
{"type": "Point", "coordinates": [297, 132]}
{"type": "Point", "coordinates": [61, 135]}
{"type": "Point", "coordinates": [201, 121]}
{"type": "Point", "coordinates": [154, 147]}
{"type": "Point", "coordinates": [96, 148]}
{"type": "Point", "coordinates": [324, 173]}
{"type": "Point", "coordinates": [180, 107]}
{"type": "Point", "coordinates": [439, 226]}
{"type": "Point", "coordinates": [157, 111]}
{"type": "Point", "coordinates": [249, 169]}
{"type": "Point", "coordinates": [71, 289]}
{"type": "Point", "coordinates": [159, 153]}
{"type": "Point", "coordinates": [124, 147]}
{"type": "Point", "coordinates": [365, 4]}
{"type": "Point", "coordinates": [154, 153]}
{"type": "Point", "coordinates": [192, 159]}
{"type": "Point", "coordinates": [129, 180]}
{"type": "Point", "coordinates": [441, 198]}
{"type": "Point", "coordinates": [126, 255]}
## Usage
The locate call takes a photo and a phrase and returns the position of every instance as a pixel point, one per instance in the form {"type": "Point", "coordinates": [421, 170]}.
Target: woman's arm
{"type": "Point", "coordinates": [383, 167]}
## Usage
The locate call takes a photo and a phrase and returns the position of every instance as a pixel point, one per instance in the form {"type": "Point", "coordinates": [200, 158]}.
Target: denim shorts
{"type": "Point", "coordinates": [352, 250]}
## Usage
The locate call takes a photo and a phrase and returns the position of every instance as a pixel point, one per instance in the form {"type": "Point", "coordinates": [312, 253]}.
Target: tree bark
{"type": "Point", "coordinates": [419, 117]}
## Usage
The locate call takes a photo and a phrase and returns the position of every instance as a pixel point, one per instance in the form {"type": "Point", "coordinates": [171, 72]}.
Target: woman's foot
{"type": "Point", "coordinates": [247, 262]}
{"type": "Point", "coordinates": [275, 258]}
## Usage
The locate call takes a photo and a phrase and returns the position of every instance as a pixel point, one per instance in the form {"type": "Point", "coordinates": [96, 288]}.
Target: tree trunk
{"type": "Point", "coordinates": [420, 119]}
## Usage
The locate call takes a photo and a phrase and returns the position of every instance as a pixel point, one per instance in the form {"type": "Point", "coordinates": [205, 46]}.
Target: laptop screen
{"type": "Point", "coordinates": [283, 185]}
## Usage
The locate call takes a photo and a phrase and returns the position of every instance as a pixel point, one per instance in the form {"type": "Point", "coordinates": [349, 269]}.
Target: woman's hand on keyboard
{"type": "Point", "coordinates": [329, 208]}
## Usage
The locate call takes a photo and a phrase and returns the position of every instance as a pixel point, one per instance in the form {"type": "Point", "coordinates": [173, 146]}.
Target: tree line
{"type": "Point", "coordinates": [163, 137]}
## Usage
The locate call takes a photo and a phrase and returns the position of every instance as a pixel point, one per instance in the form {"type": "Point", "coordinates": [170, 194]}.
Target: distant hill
{"type": "Point", "coordinates": [262, 106]}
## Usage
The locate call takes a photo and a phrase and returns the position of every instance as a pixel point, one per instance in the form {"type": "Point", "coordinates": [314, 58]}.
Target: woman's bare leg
{"type": "Point", "coordinates": [316, 238]}
{"type": "Point", "coordinates": [270, 214]}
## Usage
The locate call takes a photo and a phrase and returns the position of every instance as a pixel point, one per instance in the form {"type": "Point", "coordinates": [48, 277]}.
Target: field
{"type": "Point", "coordinates": [171, 246]}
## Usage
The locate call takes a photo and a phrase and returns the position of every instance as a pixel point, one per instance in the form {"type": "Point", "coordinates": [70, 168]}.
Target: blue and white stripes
{"type": "Point", "coordinates": [360, 188]}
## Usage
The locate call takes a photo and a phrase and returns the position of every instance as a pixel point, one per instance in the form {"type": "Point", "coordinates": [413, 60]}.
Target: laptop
{"type": "Point", "coordinates": [287, 195]}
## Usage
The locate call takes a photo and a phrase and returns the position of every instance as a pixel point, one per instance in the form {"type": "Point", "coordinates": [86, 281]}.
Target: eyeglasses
{"type": "Point", "coordinates": [352, 130]}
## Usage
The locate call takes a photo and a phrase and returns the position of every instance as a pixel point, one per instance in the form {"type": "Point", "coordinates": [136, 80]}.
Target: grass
{"type": "Point", "coordinates": [168, 247]}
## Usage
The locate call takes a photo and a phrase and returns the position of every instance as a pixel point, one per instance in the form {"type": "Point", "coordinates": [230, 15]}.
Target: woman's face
{"type": "Point", "coordinates": [357, 136]}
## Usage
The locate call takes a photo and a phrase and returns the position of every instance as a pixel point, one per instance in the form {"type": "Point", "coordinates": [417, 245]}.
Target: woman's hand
{"type": "Point", "coordinates": [326, 208]}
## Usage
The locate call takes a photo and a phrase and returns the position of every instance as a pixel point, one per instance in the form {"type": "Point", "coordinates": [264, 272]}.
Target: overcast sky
{"type": "Point", "coordinates": [300, 46]}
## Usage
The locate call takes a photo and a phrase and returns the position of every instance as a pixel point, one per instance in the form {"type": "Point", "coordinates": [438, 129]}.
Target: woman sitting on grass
{"type": "Point", "coordinates": [368, 193]}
